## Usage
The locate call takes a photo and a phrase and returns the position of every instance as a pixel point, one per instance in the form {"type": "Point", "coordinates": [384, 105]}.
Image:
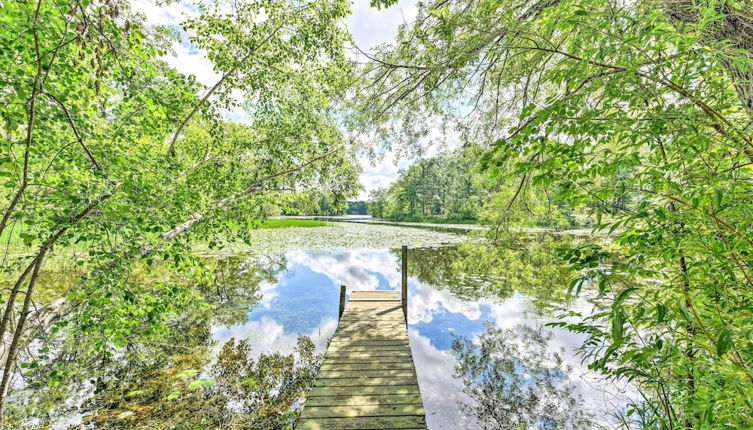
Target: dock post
{"type": "Point", "coordinates": [404, 261]}
{"type": "Point", "coordinates": [342, 301]}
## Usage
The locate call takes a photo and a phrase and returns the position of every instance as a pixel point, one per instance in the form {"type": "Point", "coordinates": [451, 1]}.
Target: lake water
{"type": "Point", "coordinates": [285, 283]}
{"type": "Point", "coordinates": [455, 289]}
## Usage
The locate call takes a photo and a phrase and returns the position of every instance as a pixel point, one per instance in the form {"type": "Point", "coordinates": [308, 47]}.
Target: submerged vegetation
{"type": "Point", "coordinates": [631, 117]}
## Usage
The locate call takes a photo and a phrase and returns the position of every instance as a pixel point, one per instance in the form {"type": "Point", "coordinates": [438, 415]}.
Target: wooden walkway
{"type": "Point", "coordinates": [368, 380]}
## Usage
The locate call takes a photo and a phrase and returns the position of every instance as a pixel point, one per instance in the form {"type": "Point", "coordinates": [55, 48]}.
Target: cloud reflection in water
{"type": "Point", "coordinates": [305, 300]}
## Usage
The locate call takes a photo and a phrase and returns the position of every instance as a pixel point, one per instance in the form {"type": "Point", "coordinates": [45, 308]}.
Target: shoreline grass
{"type": "Point", "coordinates": [284, 223]}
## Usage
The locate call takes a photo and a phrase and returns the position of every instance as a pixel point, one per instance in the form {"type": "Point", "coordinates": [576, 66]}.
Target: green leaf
{"type": "Point", "coordinates": [724, 342]}
{"type": "Point", "coordinates": [661, 312]}
{"type": "Point", "coordinates": [717, 199]}
{"type": "Point", "coordinates": [200, 383]}
{"type": "Point", "coordinates": [622, 296]}
{"type": "Point", "coordinates": [617, 327]}
{"type": "Point", "coordinates": [190, 373]}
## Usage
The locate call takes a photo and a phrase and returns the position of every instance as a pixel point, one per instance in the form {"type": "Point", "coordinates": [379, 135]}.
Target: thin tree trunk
{"type": "Point", "coordinates": [48, 315]}
{"type": "Point", "coordinates": [9, 354]}
{"type": "Point", "coordinates": [690, 331]}
{"type": "Point", "coordinates": [215, 87]}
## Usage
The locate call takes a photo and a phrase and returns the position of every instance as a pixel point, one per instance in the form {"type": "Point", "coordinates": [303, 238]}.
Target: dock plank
{"type": "Point", "coordinates": [355, 400]}
{"type": "Point", "coordinates": [352, 411]}
{"type": "Point", "coordinates": [368, 379]}
{"type": "Point", "coordinates": [363, 423]}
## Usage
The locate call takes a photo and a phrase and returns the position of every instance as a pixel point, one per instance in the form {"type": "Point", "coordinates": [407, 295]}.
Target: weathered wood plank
{"type": "Point", "coordinates": [386, 360]}
{"type": "Point", "coordinates": [384, 337]}
{"type": "Point", "coordinates": [365, 423]}
{"type": "Point", "coordinates": [366, 365]}
{"type": "Point", "coordinates": [381, 390]}
{"type": "Point", "coordinates": [361, 373]}
{"type": "Point", "coordinates": [368, 354]}
{"type": "Point", "coordinates": [374, 324]}
{"type": "Point", "coordinates": [365, 382]}
{"type": "Point", "coordinates": [372, 294]}
{"type": "Point", "coordinates": [367, 348]}
{"type": "Point", "coordinates": [390, 325]}
{"type": "Point", "coordinates": [381, 307]}
{"type": "Point", "coordinates": [346, 411]}
{"type": "Point", "coordinates": [371, 337]}
{"type": "Point", "coordinates": [391, 332]}
{"type": "Point", "coordinates": [376, 308]}
{"type": "Point", "coordinates": [341, 343]}
{"type": "Point", "coordinates": [368, 379]}
{"type": "Point", "coordinates": [362, 400]}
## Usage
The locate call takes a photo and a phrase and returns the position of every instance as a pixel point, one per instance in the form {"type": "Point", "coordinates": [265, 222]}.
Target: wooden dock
{"type": "Point", "coordinates": [368, 380]}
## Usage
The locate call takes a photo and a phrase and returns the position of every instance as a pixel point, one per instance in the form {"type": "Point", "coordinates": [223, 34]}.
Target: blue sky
{"type": "Point", "coordinates": [368, 26]}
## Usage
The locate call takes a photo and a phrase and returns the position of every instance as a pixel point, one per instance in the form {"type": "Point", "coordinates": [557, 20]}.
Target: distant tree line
{"type": "Point", "coordinates": [316, 203]}
{"type": "Point", "coordinates": [357, 208]}
{"type": "Point", "coordinates": [451, 186]}
{"type": "Point", "coordinates": [445, 186]}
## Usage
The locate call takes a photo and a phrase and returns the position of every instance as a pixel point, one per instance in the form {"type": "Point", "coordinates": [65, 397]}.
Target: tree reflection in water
{"type": "Point", "coordinates": [529, 265]}
{"type": "Point", "coordinates": [515, 382]}
{"type": "Point", "coordinates": [168, 375]}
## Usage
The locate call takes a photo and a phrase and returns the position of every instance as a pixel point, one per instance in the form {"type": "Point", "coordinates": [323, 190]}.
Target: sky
{"type": "Point", "coordinates": [368, 26]}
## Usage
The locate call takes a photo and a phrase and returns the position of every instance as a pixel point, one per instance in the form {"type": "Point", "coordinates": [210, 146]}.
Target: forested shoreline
{"type": "Point", "coordinates": [453, 187]}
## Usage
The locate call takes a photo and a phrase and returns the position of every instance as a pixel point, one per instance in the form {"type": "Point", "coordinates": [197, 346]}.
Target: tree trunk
{"type": "Point", "coordinates": [40, 320]}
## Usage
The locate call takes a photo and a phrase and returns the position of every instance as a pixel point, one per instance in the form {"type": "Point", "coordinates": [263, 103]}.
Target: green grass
{"type": "Point", "coordinates": [284, 223]}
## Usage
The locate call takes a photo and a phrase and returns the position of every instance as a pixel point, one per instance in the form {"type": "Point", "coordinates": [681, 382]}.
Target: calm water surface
{"type": "Point", "coordinates": [444, 302]}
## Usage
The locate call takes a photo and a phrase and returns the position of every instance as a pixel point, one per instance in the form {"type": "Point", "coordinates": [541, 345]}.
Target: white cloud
{"type": "Point", "coordinates": [370, 26]}
{"type": "Point", "coordinates": [164, 14]}
{"type": "Point", "coordinates": [380, 172]}
{"type": "Point", "coordinates": [440, 390]}
{"type": "Point", "coordinates": [426, 302]}
{"type": "Point", "coordinates": [186, 58]}
{"type": "Point", "coordinates": [510, 312]}
{"type": "Point", "coordinates": [268, 336]}
{"type": "Point", "coordinates": [189, 61]}
{"type": "Point", "coordinates": [353, 269]}
{"type": "Point", "coordinates": [269, 292]}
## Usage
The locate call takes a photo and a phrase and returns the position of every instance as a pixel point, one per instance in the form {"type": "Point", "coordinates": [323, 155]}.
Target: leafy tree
{"type": "Point", "coordinates": [640, 110]}
{"type": "Point", "coordinates": [450, 186]}
{"type": "Point", "coordinates": [315, 202]}
{"type": "Point", "coordinates": [106, 146]}
{"type": "Point", "coordinates": [443, 186]}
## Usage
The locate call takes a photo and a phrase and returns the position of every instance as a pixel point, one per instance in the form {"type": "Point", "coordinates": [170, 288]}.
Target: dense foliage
{"type": "Point", "coordinates": [452, 187]}
{"type": "Point", "coordinates": [436, 187]}
{"type": "Point", "coordinates": [107, 148]}
{"type": "Point", "coordinates": [641, 109]}
{"type": "Point", "coordinates": [638, 114]}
